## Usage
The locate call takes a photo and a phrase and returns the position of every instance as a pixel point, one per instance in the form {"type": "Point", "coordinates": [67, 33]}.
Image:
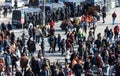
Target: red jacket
{"type": "Point", "coordinates": [116, 30]}
{"type": "Point", "coordinates": [52, 24]}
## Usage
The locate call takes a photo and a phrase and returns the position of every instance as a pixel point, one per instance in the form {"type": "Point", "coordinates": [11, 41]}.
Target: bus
{"type": "Point", "coordinates": [16, 15]}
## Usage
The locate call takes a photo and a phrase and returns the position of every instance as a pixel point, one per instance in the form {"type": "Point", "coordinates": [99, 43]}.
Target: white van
{"type": "Point", "coordinates": [20, 3]}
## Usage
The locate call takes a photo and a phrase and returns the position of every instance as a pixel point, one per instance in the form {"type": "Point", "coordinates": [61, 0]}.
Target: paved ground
{"type": "Point", "coordinates": [57, 56]}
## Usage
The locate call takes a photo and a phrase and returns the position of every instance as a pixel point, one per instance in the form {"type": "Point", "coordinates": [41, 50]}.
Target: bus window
{"type": "Point", "coordinates": [8, 0]}
{"type": "Point", "coordinates": [33, 2]}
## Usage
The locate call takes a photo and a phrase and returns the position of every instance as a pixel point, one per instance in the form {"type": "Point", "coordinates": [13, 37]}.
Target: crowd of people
{"type": "Point", "coordinates": [102, 52]}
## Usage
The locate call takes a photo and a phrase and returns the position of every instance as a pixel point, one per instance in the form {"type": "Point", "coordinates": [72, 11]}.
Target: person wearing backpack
{"type": "Point", "coordinates": [113, 17]}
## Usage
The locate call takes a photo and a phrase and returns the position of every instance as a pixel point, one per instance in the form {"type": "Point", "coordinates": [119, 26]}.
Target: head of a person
{"type": "Point", "coordinates": [33, 58]}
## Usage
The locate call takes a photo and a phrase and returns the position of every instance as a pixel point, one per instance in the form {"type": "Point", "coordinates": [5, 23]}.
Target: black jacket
{"type": "Point", "coordinates": [29, 73]}
{"type": "Point", "coordinates": [35, 66]}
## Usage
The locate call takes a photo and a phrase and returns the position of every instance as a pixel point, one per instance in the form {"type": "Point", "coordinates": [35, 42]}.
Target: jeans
{"type": "Point", "coordinates": [103, 19]}
{"type": "Point", "coordinates": [43, 51]}
{"type": "Point", "coordinates": [110, 39]}
{"type": "Point", "coordinates": [63, 49]}
{"type": "Point", "coordinates": [113, 21]}
{"type": "Point", "coordinates": [37, 39]}
{"type": "Point", "coordinates": [111, 70]}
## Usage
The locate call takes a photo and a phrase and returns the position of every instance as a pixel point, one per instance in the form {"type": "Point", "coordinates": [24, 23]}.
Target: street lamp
{"type": "Point", "coordinates": [43, 12]}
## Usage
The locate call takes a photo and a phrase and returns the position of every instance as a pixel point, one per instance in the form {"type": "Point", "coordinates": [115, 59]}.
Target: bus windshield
{"type": "Point", "coordinates": [16, 15]}
{"type": "Point", "coordinates": [8, 0]}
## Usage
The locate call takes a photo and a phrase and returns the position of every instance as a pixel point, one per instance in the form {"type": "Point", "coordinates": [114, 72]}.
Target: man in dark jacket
{"type": "Point", "coordinates": [18, 73]}
{"type": "Point", "coordinates": [29, 72]}
{"type": "Point", "coordinates": [43, 46]}
{"type": "Point", "coordinates": [61, 72]}
{"type": "Point", "coordinates": [58, 41]}
{"type": "Point", "coordinates": [98, 43]}
{"type": "Point", "coordinates": [44, 71]}
{"type": "Point", "coordinates": [117, 68]}
{"type": "Point", "coordinates": [31, 46]}
{"type": "Point", "coordinates": [77, 69]}
{"type": "Point", "coordinates": [3, 27]}
{"type": "Point", "coordinates": [35, 66]}
{"type": "Point", "coordinates": [9, 26]}
{"type": "Point", "coordinates": [63, 45]}
{"type": "Point", "coordinates": [103, 13]}
{"type": "Point", "coordinates": [52, 43]}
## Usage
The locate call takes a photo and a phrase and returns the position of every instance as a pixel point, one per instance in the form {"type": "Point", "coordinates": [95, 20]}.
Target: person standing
{"type": "Point", "coordinates": [51, 24]}
{"type": "Point", "coordinates": [103, 13]}
{"type": "Point", "coordinates": [9, 26]}
{"type": "Point", "coordinates": [3, 27]}
{"type": "Point", "coordinates": [62, 45]}
{"type": "Point", "coordinates": [110, 35]}
{"type": "Point", "coordinates": [1, 44]}
{"type": "Point", "coordinates": [77, 69]}
{"type": "Point", "coordinates": [18, 72]}
{"type": "Point", "coordinates": [24, 62]}
{"type": "Point", "coordinates": [43, 46]}
{"type": "Point", "coordinates": [5, 11]}
{"type": "Point", "coordinates": [31, 46]}
{"type": "Point", "coordinates": [113, 17]}
{"type": "Point", "coordinates": [59, 41]}
{"type": "Point", "coordinates": [52, 43]}
{"type": "Point", "coordinates": [35, 66]}
{"type": "Point", "coordinates": [117, 68]}
{"type": "Point", "coordinates": [116, 32]}
{"type": "Point", "coordinates": [15, 4]}
{"type": "Point", "coordinates": [61, 72]}
{"type": "Point", "coordinates": [29, 72]}
{"type": "Point", "coordinates": [67, 55]}
{"type": "Point", "coordinates": [37, 34]}
{"type": "Point", "coordinates": [8, 62]}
